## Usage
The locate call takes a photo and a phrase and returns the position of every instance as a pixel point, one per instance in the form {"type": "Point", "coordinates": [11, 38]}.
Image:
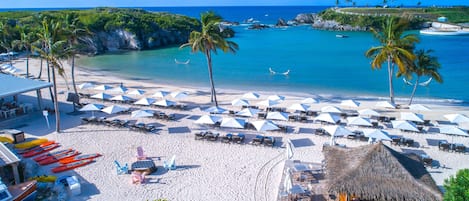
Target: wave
{"type": "Point", "coordinates": [182, 62]}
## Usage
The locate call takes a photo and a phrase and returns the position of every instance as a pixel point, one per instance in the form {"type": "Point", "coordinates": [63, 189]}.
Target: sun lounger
{"type": "Point", "coordinates": [211, 136]}
{"type": "Point", "coordinates": [258, 140]}
{"type": "Point", "coordinates": [138, 177]}
{"type": "Point", "coordinates": [200, 135]}
{"type": "Point", "coordinates": [269, 141]}
{"type": "Point", "coordinates": [227, 138]}
{"type": "Point", "coordinates": [121, 169]}
{"type": "Point", "coordinates": [239, 138]}
{"type": "Point", "coordinates": [170, 165]}
{"type": "Point", "coordinates": [140, 154]}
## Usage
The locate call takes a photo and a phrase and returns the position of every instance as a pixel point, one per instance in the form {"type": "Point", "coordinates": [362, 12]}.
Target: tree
{"type": "Point", "coordinates": [6, 38]}
{"type": "Point", "coordinates": [53, 50]}
{"type": "Point", "coordinates": [25, 42]}
{"type": "Point", "coordinates": [208, 40]}
{"type": "Point", "coordinates": [457, 188]}
{"type": "Point", "coordinates": [424, 65]}
{"type": "Point", "coordinates": [395, 49]}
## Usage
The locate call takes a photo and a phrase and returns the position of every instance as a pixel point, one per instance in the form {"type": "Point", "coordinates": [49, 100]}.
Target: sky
{"type": "Point", "coordinates": [165, 3]}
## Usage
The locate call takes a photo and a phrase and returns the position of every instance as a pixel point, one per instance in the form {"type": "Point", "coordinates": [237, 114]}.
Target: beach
{"type": "Point", "coordinates": [206, 170]}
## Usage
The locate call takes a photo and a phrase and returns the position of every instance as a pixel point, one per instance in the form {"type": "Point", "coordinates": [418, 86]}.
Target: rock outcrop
{"type": "Point", "coordinates": [281, 23]}
{"type": "Point", "coordinates": [318, 23]}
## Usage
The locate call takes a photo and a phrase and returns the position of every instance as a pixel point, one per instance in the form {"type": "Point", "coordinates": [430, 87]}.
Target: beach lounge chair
{"type": "Point", "coordinates": [259, 139]}
{"type": "Point", "coordinates": [227, 138]}
{"type": "Point", "coordinates": [200, 135]}
{"type": "Point", "coordinates": [140, 154]}
{"type": "Point", "coordinates": [239, 138]}
{"type": "Point", "coordinates": [170, 165]}
{"type": "Point", "coordinates": [269, 141]}
{"type": "Point", "coordinates": [211, 136]}
{"type": "Point", "coordinates": [121, 169]}
{"type": "Point", "coordinates": [138, 177]}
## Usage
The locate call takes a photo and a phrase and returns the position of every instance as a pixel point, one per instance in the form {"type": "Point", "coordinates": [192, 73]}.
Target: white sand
{"type": "Point", "coordinates": [207, 170]}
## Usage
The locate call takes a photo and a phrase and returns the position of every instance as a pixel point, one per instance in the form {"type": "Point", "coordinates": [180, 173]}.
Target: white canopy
{"type": "Point", "coordinates": [86, 85]}
{"type": "Point", "coordinates": [385, 104]}
{"type": "Point", "coordinates": [121, 98]}
{"type": "Point", "coordinates": [456, 118]}
{"type": "Point", "coordinates": [368, 112]}
{"type": "Point", "coordinates": [453, 130]}
{"type": "Point", "coordinates": [264, 125]}
{"type": "Point", "coordinates": [215, 109]}
{"type": "Point", "coordinates": [337, 131]}
{"type": "Point", "coordinates": [12, 85]}
{"type": "Point", "coordinates": [350, 103]}
{"type": "Point", "coordinates": [419, 107]}
{"type": "Point", "coordinates": [160, 94]}
{"type": "Point", "coordinates": [240, 102]}
{"type": "Point", "coordinates": [404, 125]}
{"type": "Point", "coordinates": [247, 112]}
{"type": "Point", "coordinates": [309, 101]}
{"type": "Point", "coordinates": [377, 134]}
{"type": "Point", "coordinates": [358, 121]}
{"type": "Point", "coordinates": [298, 107]}
{"type": "Point", "coordinates": [103, 87]}
{"type": "Point", "coordinates": [251, 95]}
{"type": "Point", "coordinates": [267, 103]}
{"type": "Point", "coordinates": [232, 123]}
{"type": "Point", "coordinates": [276, 98]}
{"type": "Point", "coordinates": [119, 89]}
{"type": "Point", "coordinates": [410, 116]}
{"type": "Point", "coordinates": [145, 101]}
{"type": "Point", "coordinates": [136, 92]}
{"type": "Point", "coordinates": [102, 96]}
{"type": "Point", "coordinates": [179, 94]}
{"type": "Point", "coordinates": [327, 117]}
{"type": "Point", "coordinates": [92, 107]}
{"type": "Point", "coordinates": [164, 103]}
{"type": "Point", "coordinates": [277, 116]}
{"type": "Point", "coordinates": [141, 113]}
{"type": "Point", "coordinates": [208, 119]}
{"type": "Point", "coordinates": [114, 109]}
{"type": "Point", "coordinates": [331, 109]}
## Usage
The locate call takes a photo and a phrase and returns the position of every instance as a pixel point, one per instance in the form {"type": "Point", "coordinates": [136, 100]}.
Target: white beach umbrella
{"type": "Point", "coordinates": [232, 123]}
{"type": "Point", "coordinates": [86, 85]}
{"type": "Point", "coordinates": [327, 117]}
{"type": "Point", "coordinates": [179, 94]}
{"type": "Point", "coordinates": [6, 66]}
{"type": "Point", "coordinates": [456, 118]}
{"type": "Point", "coordinates": [368, 112]}
{"type": "Point", "coordinates": [337, 131]}
{"type": "Point", "coordinates": [277, 116]}
{"type": "Point", "coordinates": [264, 125]}
{"type": "Point", "coordinates": [410, 116]}
{"type": "Point", "coordinates": [350, 103]}
{"type": "Point", "coordinates": [136, 92]}
{"type": "Point", "coordinates": [92, 107]}
{"type": "Point", "coordinates": [288, 183]}
{"type": "Point", "coordinates": [141, 113]}
{"type": "Point", "coordinates": [119, 89]}
{"type": "Point", "coordinates": [289, 147]}
{"type": "Point", "coordinates": [103, 87]}
{"type": "Point", "coordinates": [160, 94]}
{"type": "Point", "coordinates": [114, 109]}
{"type": "Point", "coordinates": [298, 107]}
{"type": "Point", "coordinates": [102, 96]}
{"type": "Point", "coordinates": [267, 103]}
{"type": "Point", "coordinates": [122, 98]}
{"type": "Point", "coordinates": [404, 125]}
{"type": "Point", "coordinates": [145, 101]}
{"type": "Point", "coordinates": [377, 134]}
{"type": "Point", "coordinates": [276, 98]}
{"type": "Point", "coordinates": [385, 104]}
{"type": "Point", "coordinates": [331, 109]}
{"type": "Point", "coordinates": [309, 101]}
{"type": "Point", "coordinates": [250, 95]}
{"type": "Point", "coordinates": [164, 103]}
{"type": "Point", "coordinates": [13, 70]}
{"type": "Point", "coordinates": [247, 112]}
{"type": "Point", "coordinates": [215, 110]}
{"type": "Point", "coordinates": [453, 130]}
{"type": "Point", "coordinates": [419, 107]}
{"type": "Point", "coordinates": [208, 119]}
{"type": "Point", "coordinates": [240, 102]}
{"type": "Point", "coordinates": [358, 121]}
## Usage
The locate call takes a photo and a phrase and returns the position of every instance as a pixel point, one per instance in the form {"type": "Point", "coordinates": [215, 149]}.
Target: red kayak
{"type": "Point", "coordinates": [79, 158]}
{"type": "Point", "coordinates": [22, 151]}
{"type": "Point", "coordinates": [57, 153]}
{"type": "Point", "coordinates": [40, 150]}
{"type": "Point", "coordinates": [70, 166]}
{"type": "Point", "coordinates": [53, 159]}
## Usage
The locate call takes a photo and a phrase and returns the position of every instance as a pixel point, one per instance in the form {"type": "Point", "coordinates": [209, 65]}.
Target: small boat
{"type": "Point", "coordinates": [22, 191]}
{"type": "Point", "coordinates": [44, 178]}
{"type": "Point", "coordinates": [79, 158]}
{"type": "Point", "coordinates": [53, 159]}
{"type": "Point", "coordinates": [40, 150]}
{"type": "Point", "coordinates": [341, 36]}
{"type": "Point", "coordinates": [69, 166]}
{"type": "Point", "coordinates": [444, 32]}
{"type": "Point", "coordinates": [57, 153]}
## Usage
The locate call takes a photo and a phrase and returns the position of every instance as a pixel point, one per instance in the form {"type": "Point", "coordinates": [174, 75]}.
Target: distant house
{"type": "Point", "coordinates": [377, 172]}
{"type": "Point", "coordinates": [442, 19]}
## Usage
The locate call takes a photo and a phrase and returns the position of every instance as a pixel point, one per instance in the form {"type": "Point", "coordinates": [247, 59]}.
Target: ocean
{"type": "Point", "coordinates": [318, 61]}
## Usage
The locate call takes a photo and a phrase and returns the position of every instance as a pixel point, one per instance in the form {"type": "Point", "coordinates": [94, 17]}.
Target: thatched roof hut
{"type": "Point", "coordinates": [377, 172]}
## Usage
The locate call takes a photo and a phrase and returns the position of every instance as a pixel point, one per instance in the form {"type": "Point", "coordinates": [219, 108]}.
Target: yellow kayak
{"type": "Point", "coordinates": [30, 144]}
{"type": "Point", "coordinates": [44, 178]}
{"type": "Point", "coordinates": [6, 139]}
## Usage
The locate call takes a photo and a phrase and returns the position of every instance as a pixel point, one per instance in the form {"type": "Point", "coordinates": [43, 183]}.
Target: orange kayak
{"type": "Point", "coordinates": [79, 158]}
{"type": "Point", "coordinates": [57, 153]}
{"type": "Point", "coordinates": [40, 150]}
{"type": "Point", "coordinates": [53, 159]}
{"type": "Point", "coordinates": [70, 166]}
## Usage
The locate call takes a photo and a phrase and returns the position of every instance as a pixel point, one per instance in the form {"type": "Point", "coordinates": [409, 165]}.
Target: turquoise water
{"type": "Point", "coordinates": [319, 63]}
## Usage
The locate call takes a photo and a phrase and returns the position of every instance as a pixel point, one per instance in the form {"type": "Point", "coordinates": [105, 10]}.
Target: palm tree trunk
{"type": "Point", "coordinates": [390, 75]}
{"type": "Point", "coordinates": [27, 65]}
{"type": "Point", "coordinates": [48, 79]}
{"type": "Point", "coordinates": [414, 90]}
{"type": "Point", "coordinates": [73, 75]}
{"type": "Point", "coordinates": [56, 104]}
{"type": "Point", "coordinates": [40, 70]}
{"type": "Point", "coordinates": [213, 97]}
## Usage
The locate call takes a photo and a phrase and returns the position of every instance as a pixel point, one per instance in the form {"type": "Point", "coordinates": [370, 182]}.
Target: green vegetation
{"type": "Point", "coordinates": [457, 188]}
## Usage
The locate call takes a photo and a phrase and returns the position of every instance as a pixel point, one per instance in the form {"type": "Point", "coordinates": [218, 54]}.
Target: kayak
{"type": "Point", "coordinates": [70, 166]}
{"type": "Point", "coordinates": [21, 151]}
{"type": "Point", "coordinates": [53, 159]}
{"type": "Point", "coordinates": [31, 144]}
{"type": "Point", "coordinates": [6, 139]}
{"type": "Point", "coordinates": [79, 158]}
{"type": "Point", "coordinates": [41, 150]}
{"type": "Point", "coordinates": [44, 178]}
{"type": "Point", "coordinates": [57, 153]}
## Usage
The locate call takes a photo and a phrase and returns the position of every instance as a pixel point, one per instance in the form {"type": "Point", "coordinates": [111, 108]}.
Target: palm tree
{"type": "Point", "coordinates": [208, 40]}
{"type": "Point", "coordinates": [5, 40]}
{"type": "Point", "coordinates": [424, 65]}
{"type": "Point", "coordinates": [53, 50]}
{"type": "Point", "coordinates": [395, 49]}
{"type": "Point", "coordinates": [25, 42]}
